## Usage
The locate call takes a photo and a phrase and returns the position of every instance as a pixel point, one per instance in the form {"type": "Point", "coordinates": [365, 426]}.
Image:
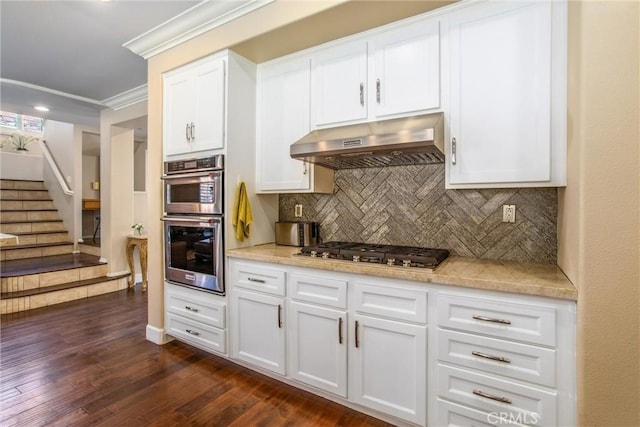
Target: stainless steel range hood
{"type": "Point", "coordinates": [406, 141]}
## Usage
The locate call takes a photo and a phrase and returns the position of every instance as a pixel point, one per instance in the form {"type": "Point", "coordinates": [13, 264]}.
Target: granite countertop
{"type": "Point", "coordinates": [522, 278]}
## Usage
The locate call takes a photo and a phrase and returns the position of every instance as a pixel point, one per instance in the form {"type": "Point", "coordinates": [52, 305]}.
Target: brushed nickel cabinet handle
{"type": "Point", "coordinates": [378, 90]}
{"type": "Point", "coordinates": [491, 319]}
{"type": "Point", "coordinates": [195, 310]}
{"type": "Point", "coordinates": [189, 331]}
{"type": "Point", "coordinates": [491, 396]}
{"type": "Point", "coordinates": [279, 316]}
{"type": "Point", "coordinates": [362, 94]}
{"type": "Point", "coordinates": [253, 279]}
{"type": "Point", "coordinates": [490, 357]}
{"type": "Point", "coordinates": [340, 330]}
{"type": "Point", "coordinates": [453, 151]}
{"type": "Point", "coordinates": [193, 131]}
{"type": "Point", "coordinates": [304, 172]}
{"type": "Point", "coordinates": [186, 132]}
{"type": "Point", "coordinates": [357, 337]}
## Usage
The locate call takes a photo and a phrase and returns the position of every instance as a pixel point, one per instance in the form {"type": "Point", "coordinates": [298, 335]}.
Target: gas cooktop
{"type": "Point", "coordinates": [405, 256]}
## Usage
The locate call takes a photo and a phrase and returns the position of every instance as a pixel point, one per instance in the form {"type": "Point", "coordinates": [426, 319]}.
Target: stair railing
{"type": "Point", "coordinates": [64, 185]}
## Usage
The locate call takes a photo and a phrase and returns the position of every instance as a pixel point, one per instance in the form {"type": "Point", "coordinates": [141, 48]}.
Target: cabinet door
{"type": "Point", "coordinates": [209, 100]}
{"type": "Point", "coordinates": [318, 347]}
{"type": "Point", "coordinates": [407, 69]}
{"type": "Point", "coordinates": [339, 84]}
{"type": "Point", "coordinates": [387, 367]}
{"type": "Point", "coordinates": [178, 111]}
{"type": "Point", "coordinates": [283, 118]}
{"type": "Point", "coordinates": [258, 330]}
{"type": "Point", "coordinates": [500, 86]}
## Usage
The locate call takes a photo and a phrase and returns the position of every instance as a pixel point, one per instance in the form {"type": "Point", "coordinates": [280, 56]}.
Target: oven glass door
{"type": "Point", "coordinates": [194, 193]}
{"type": "Point", "coordinates": [194, 252]}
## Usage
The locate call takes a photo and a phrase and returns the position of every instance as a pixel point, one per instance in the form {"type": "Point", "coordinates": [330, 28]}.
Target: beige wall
{"type": "Point", "coordinates": [116, 184]}
{"type": "Point", "coordinates": [598, 244]}
{"type": "Point", "coordinates": [599, 235]}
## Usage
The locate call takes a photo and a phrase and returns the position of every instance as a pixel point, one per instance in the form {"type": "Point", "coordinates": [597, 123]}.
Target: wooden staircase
{"type": "Point", "coordinates": [42, 269]}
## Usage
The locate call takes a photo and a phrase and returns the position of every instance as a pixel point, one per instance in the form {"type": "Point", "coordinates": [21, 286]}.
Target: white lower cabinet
{"type": "Point", "coordinates": [258, 330]}
{"type": "Point", "coordinates": [318, 347]}
{"type": "Point", "coordinates": [415, 353]}
{"type": "Point", "coordinates": [196, 317]}
{"type": "Point", "coordinates": [256, 292]}
{"type": "Point", "coordinates": [387, 367]}
{"type": "Point", "coordinates": [503, 359]}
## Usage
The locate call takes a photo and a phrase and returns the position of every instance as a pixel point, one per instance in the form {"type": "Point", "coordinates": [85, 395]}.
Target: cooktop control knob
{"type": "Point", "coordinates": [325, 255]}
{"type": "Point", "coordinates": [406, 263]}
{"type": "Point", "coordinates": [356, 258]}
{"type": "Point", "coordinates": [391, 261]}
{"type": "Point", "coordinates": [314, 254]}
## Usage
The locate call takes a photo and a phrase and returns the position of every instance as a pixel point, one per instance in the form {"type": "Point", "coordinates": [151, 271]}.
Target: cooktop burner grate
{"type": "Point", "coordinates": [406, 256]}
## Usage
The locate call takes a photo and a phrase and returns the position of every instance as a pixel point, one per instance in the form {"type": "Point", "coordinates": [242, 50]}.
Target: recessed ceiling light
{"type": "Point", "coordinates": [41, 108]}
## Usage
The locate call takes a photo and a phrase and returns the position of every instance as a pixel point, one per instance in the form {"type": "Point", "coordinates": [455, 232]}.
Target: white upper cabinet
{"type": "Point", "coordinates": [193, 110]}
{"type": "Point", "coordinates": [390, 73]}
{"type": "Point", "coordinates": [339, 84]}
{"type": "Point", "coordinates": [407, 69]}
{"type": "Point", "coordinates": [507, 106]}
{"type": "Point", "coordinates": [283, 118]}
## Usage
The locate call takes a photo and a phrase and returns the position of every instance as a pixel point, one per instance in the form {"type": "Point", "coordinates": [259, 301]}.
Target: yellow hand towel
{"type": "Point", "coordinates": [242, 215]}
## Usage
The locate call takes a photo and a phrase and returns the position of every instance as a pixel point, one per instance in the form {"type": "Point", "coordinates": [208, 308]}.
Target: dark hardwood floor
{"type": "Point", "coordinates": [87, 363]}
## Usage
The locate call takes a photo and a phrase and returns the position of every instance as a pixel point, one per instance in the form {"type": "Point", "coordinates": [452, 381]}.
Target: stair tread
{"type": "Point", "coordinates": [23, 200]}
{"type": "Point", "coordinates": [62, 286]}
{"type": "Point", "coordinates": [37, 245]}
{"type": "Point", "coordinates": [29, 221]}
{"type": "Point", "coordinates": [29, 210]}
{"type": "Point", "coordinates": [20, 180]}
{"type": "Point", "coordinates": [34, 233]}
{"type": "Point", "coordinates": [22, 267]}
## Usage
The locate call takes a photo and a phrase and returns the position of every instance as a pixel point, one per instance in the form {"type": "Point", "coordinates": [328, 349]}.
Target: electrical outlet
{"type": "Point", "coordinates": [298, 211]}
{"type": "Point", "coordinates": [508, 213]}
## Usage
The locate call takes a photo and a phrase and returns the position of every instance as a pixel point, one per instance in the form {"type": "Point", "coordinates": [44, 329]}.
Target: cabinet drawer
{"type": "Point", "coordinates": [319, 290]}
{"type": "Point", "coordinates": [259, 278]}
{"type": "Point", "coordinates": [196, 333]}
{"type": "Point", "coordinates": [500, 318]}
{"type": "Point", "coordinates": [196, 305]}
{"type": "Point", "coordinates": [452, 415]}
{"type": "Point", "coordinates": [490, 394]}
{"type": "Point", "coordinates": [515, 360]}
{"type": "Point", "coordinates": [389, 301]}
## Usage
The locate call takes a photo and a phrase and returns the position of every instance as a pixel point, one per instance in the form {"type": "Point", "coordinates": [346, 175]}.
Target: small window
{"type": "Point", "coordinates": [9, 120]}
{"type": "Point", "coordinates": [32, 124]}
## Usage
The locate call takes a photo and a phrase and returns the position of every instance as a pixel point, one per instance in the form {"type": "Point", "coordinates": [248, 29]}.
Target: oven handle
{"type": "Point", "coordinates": [191, 175]}
{"type": "Point", "coordinates": [190, 219]}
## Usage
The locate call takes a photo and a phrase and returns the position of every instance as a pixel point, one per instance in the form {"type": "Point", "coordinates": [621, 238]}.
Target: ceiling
{"type": "Point", "coordinates": [68, 55]}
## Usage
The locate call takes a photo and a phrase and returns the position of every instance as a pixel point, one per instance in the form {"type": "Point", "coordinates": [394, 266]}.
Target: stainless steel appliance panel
{"type": "Point", "coordinates": [297, 233]}
{"type": "Point", "coordinates": [194, 193]}
{"type": "Point", "coordinates": [194, 254]}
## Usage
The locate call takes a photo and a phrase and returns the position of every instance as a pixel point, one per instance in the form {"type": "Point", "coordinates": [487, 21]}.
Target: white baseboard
{"type": "Point", "coordinates": [118, 273]}
{"type": "Point", "coordinates": [157, 335]}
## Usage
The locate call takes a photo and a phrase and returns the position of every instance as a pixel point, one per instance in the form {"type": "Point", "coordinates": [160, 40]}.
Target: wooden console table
{"type": "Point", "coordinates": [141, 243]}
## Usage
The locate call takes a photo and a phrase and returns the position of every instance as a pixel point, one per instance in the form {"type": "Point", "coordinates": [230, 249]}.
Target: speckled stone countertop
{"type": "Point", "coordinates": [522, 278]}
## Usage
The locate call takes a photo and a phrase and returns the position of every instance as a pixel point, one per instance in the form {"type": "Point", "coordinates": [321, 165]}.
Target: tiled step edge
{"type": "Point", "coordinates": [36, 245]}
{"type": "Point", "coordinates": [78, 290]}
{"type": "Point", "coordinates": [62, 286]}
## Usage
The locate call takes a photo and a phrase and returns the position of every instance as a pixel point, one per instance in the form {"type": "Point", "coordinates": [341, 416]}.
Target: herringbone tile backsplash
{"type": "Point", "coordinates": [408, 205]}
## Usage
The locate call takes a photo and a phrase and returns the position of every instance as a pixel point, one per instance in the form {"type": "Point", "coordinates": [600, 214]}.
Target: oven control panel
{"type": "Point", "coordinates": [194, 165]}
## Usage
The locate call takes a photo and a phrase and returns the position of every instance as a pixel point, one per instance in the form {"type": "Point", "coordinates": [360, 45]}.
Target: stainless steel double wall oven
{"type": "Point", "coordinates": [194, 222]}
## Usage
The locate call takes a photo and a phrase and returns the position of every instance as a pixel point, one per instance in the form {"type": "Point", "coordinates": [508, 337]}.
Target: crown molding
{"type": "Point", "coordinates": [127, 98]}
{"type": "Point", "coordinates": [51, 91]}
{"type": "Point", "coordinates": [191, 23]}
